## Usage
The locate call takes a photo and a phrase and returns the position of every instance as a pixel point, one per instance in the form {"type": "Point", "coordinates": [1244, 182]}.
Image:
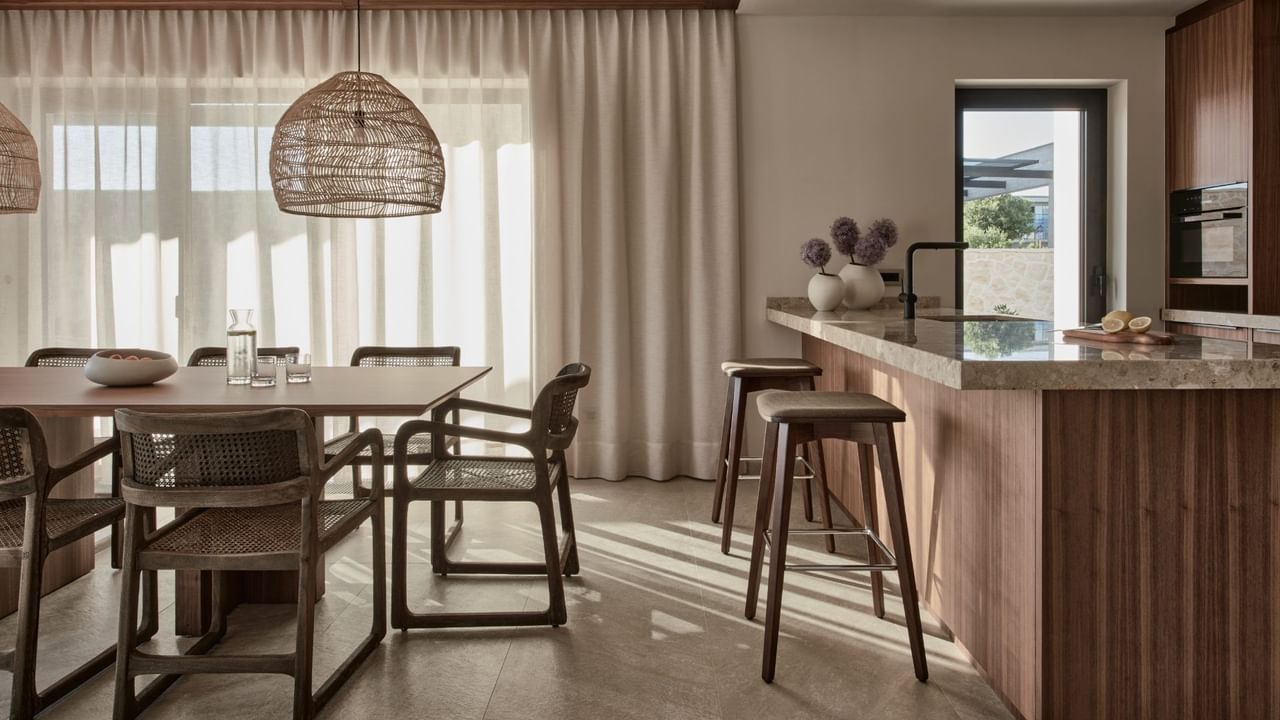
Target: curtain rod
{"type": "Point", "coordinates": [369, 4]}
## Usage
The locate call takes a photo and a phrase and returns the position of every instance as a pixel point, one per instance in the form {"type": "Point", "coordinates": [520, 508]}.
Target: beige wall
{"type": "Point", "coordinates": [855, 115]}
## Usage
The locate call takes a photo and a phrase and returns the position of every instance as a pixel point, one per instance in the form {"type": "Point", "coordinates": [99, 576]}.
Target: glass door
{"type": "Point", "coordinates": [1031, 203]}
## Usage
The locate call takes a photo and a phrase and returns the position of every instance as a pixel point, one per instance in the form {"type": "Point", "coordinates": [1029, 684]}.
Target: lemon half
{"type": "Point", "coordinates": [1112, 325]}
{"type": "Point", "coordinates": [1123, 316]}
{"type": "Point", "coordinates": [1140, 324]}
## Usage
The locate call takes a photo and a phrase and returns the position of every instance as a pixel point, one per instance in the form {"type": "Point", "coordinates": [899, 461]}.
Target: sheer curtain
{"type": "Point", "coordinates": [590, 214]}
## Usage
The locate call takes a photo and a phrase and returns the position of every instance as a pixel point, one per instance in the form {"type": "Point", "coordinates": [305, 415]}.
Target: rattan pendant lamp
{"type": "Point", "coordinates": [355, 147]}
{"type": "Point", "coordinates": [19, 166]}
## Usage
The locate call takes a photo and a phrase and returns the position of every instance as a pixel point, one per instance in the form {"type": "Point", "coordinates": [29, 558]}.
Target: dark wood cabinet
{"type": "Point", "coordinates": [1222, 125]}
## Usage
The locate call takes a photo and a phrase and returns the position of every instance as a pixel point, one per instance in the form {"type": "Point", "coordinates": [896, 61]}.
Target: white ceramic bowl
{"type": "Point", "coordinates": [150, 367]}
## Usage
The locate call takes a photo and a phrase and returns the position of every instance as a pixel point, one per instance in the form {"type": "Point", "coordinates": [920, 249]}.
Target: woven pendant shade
{"type": "Point", "coordinates": [354, 146]}
{"type": "Point", "coordinates": [19, 166]}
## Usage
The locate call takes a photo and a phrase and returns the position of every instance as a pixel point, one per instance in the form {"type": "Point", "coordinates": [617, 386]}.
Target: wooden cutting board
{"type": "Point", "coordinates": [1151, 337]}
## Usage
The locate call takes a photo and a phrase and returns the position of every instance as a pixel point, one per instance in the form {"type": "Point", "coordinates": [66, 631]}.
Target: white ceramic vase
{"type": "Point", "coordinates": [863, 286]}
{"type": "Point", "coordinates": [826, 292]}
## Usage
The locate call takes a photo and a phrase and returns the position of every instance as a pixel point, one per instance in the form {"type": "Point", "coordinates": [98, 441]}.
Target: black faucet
{"type": "Point", "coordinates": [908, 295]}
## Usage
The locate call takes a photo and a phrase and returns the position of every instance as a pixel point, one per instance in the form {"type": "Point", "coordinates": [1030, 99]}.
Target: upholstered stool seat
{"type": "Point", "coordinates": [779, 405]}
{"type": "Point", "coordinates": [794, 419]}
{"type": "Point", "coordinates": [770, 367]}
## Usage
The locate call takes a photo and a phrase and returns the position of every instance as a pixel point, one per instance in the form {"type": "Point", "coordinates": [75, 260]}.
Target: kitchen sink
{"type": "Point", "coordinates": [975, 318]}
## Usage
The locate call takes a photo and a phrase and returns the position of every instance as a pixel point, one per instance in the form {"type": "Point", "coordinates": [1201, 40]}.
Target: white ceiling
{"type": "Point", "coordinates": [965, 7]}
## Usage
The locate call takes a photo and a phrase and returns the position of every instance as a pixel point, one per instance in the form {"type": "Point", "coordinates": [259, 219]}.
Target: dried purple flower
{"type": "Point", "coordinates": [816, 253]}
{"type": "Point", "coordinates": [845, 233]}
{"type": "Point", "coordinates": [870, 250]}
{"type": "Point", "coordinates": [886, 230]}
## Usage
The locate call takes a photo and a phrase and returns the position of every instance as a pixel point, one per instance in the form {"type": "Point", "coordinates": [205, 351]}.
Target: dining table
{"type": "Point", "coordinates": [66, 404]}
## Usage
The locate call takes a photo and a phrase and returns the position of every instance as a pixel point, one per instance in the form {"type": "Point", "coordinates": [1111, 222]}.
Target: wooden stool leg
{"type": "Point", "coordinates": [736, 432]}
{"type": "Point", "coordinates": [808, 484]}
{"type": "Point", "coordinates": [763, 499]}
{"type": "Point", "coordinates": [725, 436]}
{"type": "Point", "coordinates": [871, 521]}
{"type": "Point", "coordinates": [887, 454]}
{"type": "Point", "coordinates": [824, 489]}
{"type": "Point", "coordinates": [778, 550]}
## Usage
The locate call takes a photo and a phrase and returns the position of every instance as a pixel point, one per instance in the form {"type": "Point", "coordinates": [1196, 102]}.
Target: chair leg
{"type": "Point", "coordinates": [358, 491]}
{"type": "Point", "coordinates": [888, 456]}
{"type": "Point", "coordinates": [731, 471]}
{"type": "Point", "coordinates": [24, 703]}
{"type": "Point", "coordinates": [768, 465]}
{"type": "Point", "coordinates": [399, 560]}
{"type": "Point", "coordinates": [304, 648]}
{"type": "Point", "coordinates": [439, 550]}
{"type": "Point", "coordinates": [551, 548]}
{"type": "Point", "coordinates": [566, 521]}
{"type": "Point", "coordinates": [126, 700]}
{"type": "Point", "coordinates": [778, 551]}
{"type": "Point", "coordinates": [725, 435]}
{"type": "Point", "coordinates": [871, 521]}
{"type": "Point", "coordinates": [117, 528]}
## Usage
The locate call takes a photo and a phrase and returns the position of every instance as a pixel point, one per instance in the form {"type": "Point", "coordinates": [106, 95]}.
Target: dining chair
{"type": "Point", "coordinates": [33, 525]}
{"type": "Point", "coordinates": [256, 482]}
{"type": "Point", "coordinates": [419, 452]}
{"type": "Point", "coordinates": [214, 356]}
{"type": "Point", "coordinates": [78, 357]}
{"type": "Point", "coordinates": [491, 478]}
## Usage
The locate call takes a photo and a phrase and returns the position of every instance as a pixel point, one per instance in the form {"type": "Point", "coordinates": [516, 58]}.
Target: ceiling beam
{"type": "Point", "coordinates": [368, 4]}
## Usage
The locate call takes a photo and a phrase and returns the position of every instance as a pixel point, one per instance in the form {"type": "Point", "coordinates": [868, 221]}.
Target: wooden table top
{"type": "Point", "coordinates": [387, 391]}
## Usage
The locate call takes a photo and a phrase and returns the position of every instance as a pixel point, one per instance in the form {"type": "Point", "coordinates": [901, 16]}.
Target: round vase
{"type": "Point", "coordinates": [863, 286]}
{"type": "Point", "coordinates": [825, 292]}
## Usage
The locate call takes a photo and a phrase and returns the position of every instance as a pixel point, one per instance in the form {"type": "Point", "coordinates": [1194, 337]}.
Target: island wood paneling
{"type": "Point", "coordinates": [368, 4]}
{"type": "Point", "coordinates": [1162, 536]}
{"type": "Point", "coordinates": [1208, 331]}
{"type": "Point", "coordinates": [1209, 86]}
{"type": "Point", "coordinates": [971, 479]}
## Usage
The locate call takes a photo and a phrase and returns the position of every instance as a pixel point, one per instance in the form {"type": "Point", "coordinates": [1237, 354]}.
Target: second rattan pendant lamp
{"type": "Point", "coordinates": [355, 147]}
{"type": "Point", "coordinates": [19, 166]}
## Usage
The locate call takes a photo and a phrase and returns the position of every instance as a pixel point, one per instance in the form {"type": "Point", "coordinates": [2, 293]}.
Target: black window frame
{"type": "Point", "coordinates": [1092, 102]}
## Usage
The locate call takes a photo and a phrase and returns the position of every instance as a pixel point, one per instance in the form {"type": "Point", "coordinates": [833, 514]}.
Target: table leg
{"type": "Point", "coordinates": [66, 438]}
{"type": "Point", "coordinates": [194, 588]}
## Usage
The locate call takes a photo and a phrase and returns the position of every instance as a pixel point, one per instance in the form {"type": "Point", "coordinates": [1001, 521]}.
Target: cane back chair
{"type": "Point", "coordinates": [214, 356]}
{"type": "Point", "coordinates": [32, 525]}
{"type": "Point", "coordinates": [454, 476]}
{"type": "Point", "coordinates": [256, 482]}
{"type": "Point", "coordinates": [419, 451]}
{"type": "Point", "coordinates": [77, 357]}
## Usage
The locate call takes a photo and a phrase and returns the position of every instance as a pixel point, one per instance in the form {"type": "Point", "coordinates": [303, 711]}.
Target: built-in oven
{"type": "Point", "coordinates": [1209, 232]}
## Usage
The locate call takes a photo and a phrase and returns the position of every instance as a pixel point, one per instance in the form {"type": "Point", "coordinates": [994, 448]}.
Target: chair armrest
{"type": "Point", "coordinates": [480, 407]}
{"type": "Point", "coordinates": [423, 427]}
{"type": "Point", "coordinates": [58, 473]}
{"type": "Point", "coordinates": [371, 438]}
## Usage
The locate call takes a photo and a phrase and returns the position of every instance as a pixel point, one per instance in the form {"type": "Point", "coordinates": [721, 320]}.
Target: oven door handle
{"type": "Point", "coordinates": [1209, 217]}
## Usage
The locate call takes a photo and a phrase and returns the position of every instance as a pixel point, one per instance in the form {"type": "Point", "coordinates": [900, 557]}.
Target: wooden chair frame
{"type": "Point", "coordinates": [26, 701]}
{"type": "Point", "coordinates": [546, 446]}
{"type": "Point", "coordinates": [452, 352]}
{"type": "Point", "coordinates": [306, 490]}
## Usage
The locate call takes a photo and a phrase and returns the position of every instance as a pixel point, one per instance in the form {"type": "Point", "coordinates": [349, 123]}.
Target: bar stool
{"type": "Point", "coordinates": [746, 376]}
{"type": "Point", "coordinates": [795, 418]}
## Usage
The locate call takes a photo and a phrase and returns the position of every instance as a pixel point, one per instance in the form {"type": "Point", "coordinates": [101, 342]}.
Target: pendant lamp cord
{"type": "Point", "coordinates": [359, 38]}
{"type": "Point", "coordinates": [359, 68]}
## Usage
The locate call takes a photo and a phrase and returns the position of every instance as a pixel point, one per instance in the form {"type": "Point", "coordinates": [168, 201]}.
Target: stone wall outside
{"type": "Point", "coordinates": [1019, 278]}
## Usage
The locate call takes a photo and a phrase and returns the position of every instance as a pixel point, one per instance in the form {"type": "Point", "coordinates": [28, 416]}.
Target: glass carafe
{"type": "Point", "coordinates": [242, 348]}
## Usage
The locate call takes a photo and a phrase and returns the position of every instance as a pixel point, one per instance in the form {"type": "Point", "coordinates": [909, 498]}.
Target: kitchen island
{"type": "Point", "coordinates": [1097, 525]}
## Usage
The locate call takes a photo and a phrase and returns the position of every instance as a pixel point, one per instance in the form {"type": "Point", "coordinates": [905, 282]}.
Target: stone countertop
{"type": "Point", "coordinates": [1029, 354]}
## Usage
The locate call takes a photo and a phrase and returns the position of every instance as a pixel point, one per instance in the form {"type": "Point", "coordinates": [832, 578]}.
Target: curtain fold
{"type": "Point", "coordinates": [638, 266]}
{"type": "Point", "coordinates": [591, 208]}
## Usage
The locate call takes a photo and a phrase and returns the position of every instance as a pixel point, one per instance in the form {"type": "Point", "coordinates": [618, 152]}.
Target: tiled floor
{"type": "Point", "coordinates": [655, 631]}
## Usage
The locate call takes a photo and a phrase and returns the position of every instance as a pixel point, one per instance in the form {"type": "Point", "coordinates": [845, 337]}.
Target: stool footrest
{"type": "Point", "coordinates": [804, 471]}
{"type": "Point", "coordinates": [889, 565]}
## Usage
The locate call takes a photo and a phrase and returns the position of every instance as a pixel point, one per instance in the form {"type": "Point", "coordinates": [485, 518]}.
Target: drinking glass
{"type": "Point", "coordinates": [297, 368]}
{"type": "Point", "coordinates": [264, 373]}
